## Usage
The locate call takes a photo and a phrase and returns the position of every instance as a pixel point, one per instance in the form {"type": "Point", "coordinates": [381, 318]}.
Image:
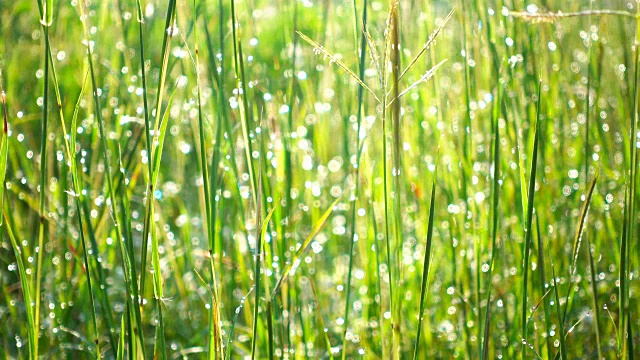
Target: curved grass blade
{"type": "Point", "coordinates": [325, 337]}
{"type": "Point", "coordinates": [295, 261]}
{"type": "Point", "coordinates": [258, 268]}
{"type": "Point", "coordinates": [233, 324]}
{"type": "Point", "coordinates": [583, 218]}
{"type": "Point", "coordinates": [162, 134]}
{"type": "Point", "coordinates": [561, 335]}
{"type": "Point", "coordinates": [543, 282]}
{"type": "Point", "coordinates": [427, 259]}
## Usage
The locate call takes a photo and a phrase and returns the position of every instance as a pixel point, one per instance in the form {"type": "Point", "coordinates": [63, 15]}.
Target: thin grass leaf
{"type": "Point", "coordinates": [352, 230]}
{"type": "Point", "coordinates": [295, 261]}
{"type": "Point", "coordinates": [258, 268]}
{"type": "Point", "coordinates": [495, 197]}
{"type": "Point", "coordinates": [587, 151]}
{"type": "Point", "coordinates": [537, 305]}
{"type": "Point", "coordinates": [24, 282]}
{"type": "Point", "coordinates": [160, 140]}
{"type": "Point", "coordinates": [561, 335]}
{"type": "Point", "coordinates": [120, 352]}
{"type": "Point", "coordinates": [325, 337]}
{"type": "Point", "coordinates": [629, 221]}
{"type": "Point", "coordinates": [543, 284]}
{"type": "Point", "coordinates": [529, 228]}
{"type": "Point", "coordinates": [46, 11]}
{"type": "Point", "coordinates": [581, 224]}
{"type": "Point", "coordinates": [427, 258]}
{"type": "Point", "coordinates": [4, 149]}
{"type": "Point", "coordinates": [233, 324]}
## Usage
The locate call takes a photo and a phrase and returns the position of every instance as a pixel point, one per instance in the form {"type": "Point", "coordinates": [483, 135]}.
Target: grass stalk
{"type": "Point", "coordinates": [46, 12]}
{"type": "Point", "coordinates": [427, 259]}
{"type": "Point", "coordinates": [130, 286]}
{"type": "Point", "coordinates": [352, 231]}
{"type": "Point", "coordinates": [495, 198]}
{"type": "Point", "coordinates": [529, 223]}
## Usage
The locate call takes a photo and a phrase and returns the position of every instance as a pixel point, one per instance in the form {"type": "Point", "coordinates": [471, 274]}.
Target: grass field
{"type": "Point", "coordinates": [326, 179]}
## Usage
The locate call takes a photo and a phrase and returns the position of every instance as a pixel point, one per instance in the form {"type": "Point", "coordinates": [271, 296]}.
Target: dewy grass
{"type": "Point", "coordinates": [495, 196]}
{"type": "Point", "coordinates": [352, 231]}
{"type": "Point", "coordinates": [426, 266]}
{"type": "Point", "coordinates": [4, 146]}
{"type": "Point", "coordinates": [129, 279]}
{"type": "Point", "coordinates": [528, 231]}
{"type": "Point", "coordinates": [236, 179]}
{"type": "Point", "coordinates": [26, 292]}
{"type": "Point", "coordinates": [46, 18]}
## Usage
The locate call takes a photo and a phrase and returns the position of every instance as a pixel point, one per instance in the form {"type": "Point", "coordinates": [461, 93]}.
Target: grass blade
{"type": "Point", "coordinates": [26, 292]}
{"type": "Point", "coordinates": [529, 228]}
{"type": "Point", "coordinates": [295, 261]}
{"type": "Point", "coordinates": [427, 259]}
{"type": "Point", "coordinates": [4, 149]}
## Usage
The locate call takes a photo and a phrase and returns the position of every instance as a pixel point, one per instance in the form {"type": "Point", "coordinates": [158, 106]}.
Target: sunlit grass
{"type": "Point", "coordinates": [319, 179]}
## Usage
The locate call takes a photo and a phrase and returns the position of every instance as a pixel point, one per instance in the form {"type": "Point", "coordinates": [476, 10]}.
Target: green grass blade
{"type": "Point", "coordinates": [561, 334]}
{"type": "Point", "coordinates": [581, 224]}
{"type": "Point", "coordinates": [26, 291]}
{"type": "Point", "coordinates": [295, 260]}
{"type": "Point", "coordinates": [529, 228]}
{"type": "Point", "coordinates": [352, 231]}
{"type": "Point", "coordinates": [262, 225]}
{"type": "Point", "coordinates": [495, 192]}
{"type": "Point", "coordinates": [4, 148]}
{"type": "Point", "coordinates": [427, 259]}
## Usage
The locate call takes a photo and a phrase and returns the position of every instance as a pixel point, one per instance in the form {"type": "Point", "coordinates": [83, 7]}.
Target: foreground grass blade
{"type": "Point", "coordinates": [4, 149]}
{"type": "Point", "coordinates": [129, 280]}
{"type": "Point", "coordinates": [295, 260]}
{"type": "Point", "coordinates": [581, 224]}
{"type": "Point", "coordinates": [46, 16]}
{"type": "Point", "coordinates": [561, 335]}
{"type": "Point", "coordinates": [427, 259]}
{"type": "Point", "coordinates": [26, 292]}
{"type": "Point", "coordinates": [529, 228]}
{"type": "Point", "coordinates": [263, 225]}
{"type": "Point", "coordinates": [628, 225]}
{"type": "Point", "coordinates": [352, 232]}
{"type": "Point", "coordinates": [495, 192]}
